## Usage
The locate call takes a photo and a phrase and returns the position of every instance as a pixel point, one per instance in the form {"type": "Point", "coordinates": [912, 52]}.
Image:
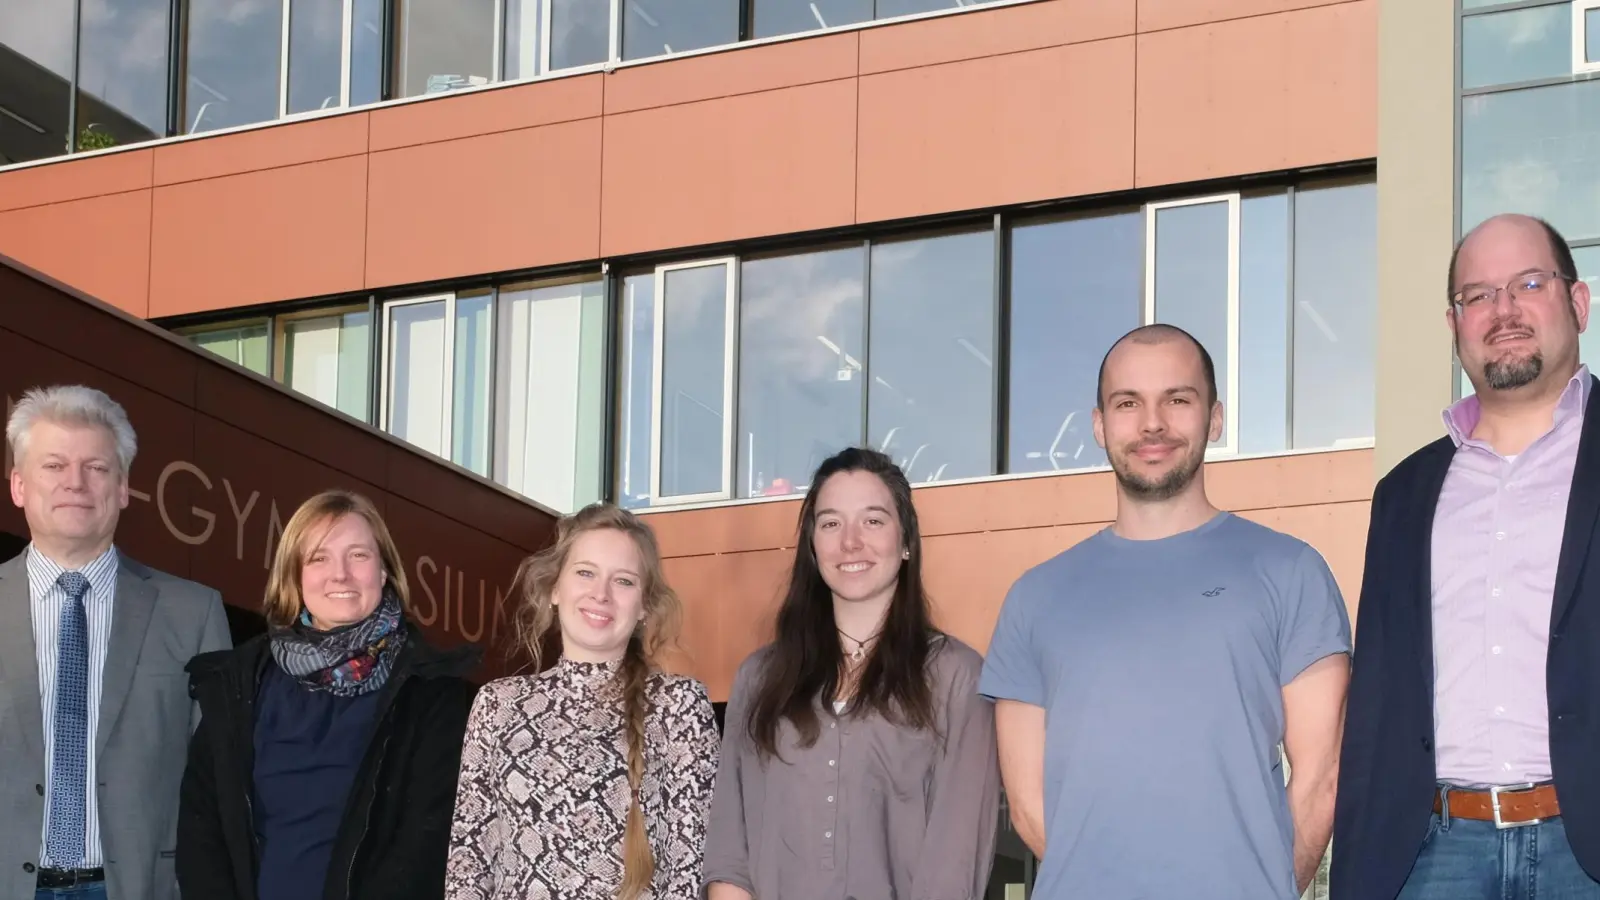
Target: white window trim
{"type": "Point", "coordinates": [1580, 55]}
{"type": "Point", "coordinates": [346, 32]}
{"type": "Point", "coordinates": [386, 374]}
{"type": "Point", "coordinates": [729, 369]}
{"type": "Point", "coordinates": [1230, 402]}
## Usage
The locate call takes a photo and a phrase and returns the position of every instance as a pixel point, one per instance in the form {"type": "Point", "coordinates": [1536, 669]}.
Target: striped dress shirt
{"type": "Point", "coordinates": [48, 598]}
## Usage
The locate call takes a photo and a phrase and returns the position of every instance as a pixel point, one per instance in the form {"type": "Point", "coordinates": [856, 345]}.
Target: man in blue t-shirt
{"type": "Point", "coordinates": [1145, 678]}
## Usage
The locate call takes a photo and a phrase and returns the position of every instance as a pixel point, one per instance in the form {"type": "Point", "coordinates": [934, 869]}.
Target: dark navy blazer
{"type": "Point", "coordinates": [1386, 770]}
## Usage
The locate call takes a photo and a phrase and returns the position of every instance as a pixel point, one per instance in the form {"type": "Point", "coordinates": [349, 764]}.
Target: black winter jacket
{"type": "Point", "coordinates": [395, 833]}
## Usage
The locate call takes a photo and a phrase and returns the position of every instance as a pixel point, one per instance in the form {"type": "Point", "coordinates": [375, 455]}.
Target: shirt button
{"type": "Point", "coordinates": [830, 799]}
{"type": "Point", "coordinates": [831, 762]}
{"type": "Point", "coordinates": [1495, 650]}
{"type": "Point", "coordinates": [1495, 592]}
{"type": "Point", "coordinates": [1508, 767]}
{"type": "Point", "coordinates": [1498, 710]}
{"type": "Point", "coordinates": [829, 834]}
{"type": "Point", "coordinates": [1499, 535]}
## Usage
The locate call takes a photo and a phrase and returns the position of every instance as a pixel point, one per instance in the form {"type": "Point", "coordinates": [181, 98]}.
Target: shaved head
{"type": "Point", "coordinates": [1559, 251]}
{"type": "Point", "coordinates": [1158, 333]}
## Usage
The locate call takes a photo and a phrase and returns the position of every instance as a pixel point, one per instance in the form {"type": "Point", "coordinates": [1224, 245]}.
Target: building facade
{"type": "Point", "coordinates": [673, 254]}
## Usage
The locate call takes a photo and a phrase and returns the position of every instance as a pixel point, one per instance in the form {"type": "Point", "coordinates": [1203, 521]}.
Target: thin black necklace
{"type": "Point", "coordinates": [860, 651]}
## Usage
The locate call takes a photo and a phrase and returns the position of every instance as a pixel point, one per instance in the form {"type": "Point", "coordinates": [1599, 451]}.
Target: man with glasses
{"type": "Point", "coordinates": [1471, 759]}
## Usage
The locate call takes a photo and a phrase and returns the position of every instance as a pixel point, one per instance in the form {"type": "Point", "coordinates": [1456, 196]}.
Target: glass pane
{"type": "Point", "coordinates": [1263, 413]}
{"type": "Point", "coordinates": [235, 47]}
{"type": "Point", "coordinates": [316, 32]}
{"type": "Point", "coordinates": [327, 358]}
{"type": "Point", "coordinates": [800, 370]}
{"type": "Point", "coordinates": [930, 405]}
{"type": "Point", "coordinates": [549, 392]}
{"type": "Point", "coordinates": [1591, 35]}
{"type": "Point", "coordinates": [416, 401]}
{"type": "Point", "coordinates": [580, 33]}
{"type": "Point", "coordinates": [1192, 281]}
{"type": "Point", "coordinates": [122, 73]}
{"type": "Point", "coordinates": [366, 52]}
{"type": "Point", "coordinates": [694, 307]}
{"type": "Point", "coordinates": [657, 27]}
{"type": "Point", "coordinates": [469, 406]}
{"type": "Point", "coordinates": [1335, 314]}
{"type": "Point", "coordinates": [522, 39]}
{"type": "Point", "coordinates": [1588, 260]}
{"type": "Point", "coordinates": [1529, 152]}
{"type": "Point", "coordinates": [888, 9]}
{"type": "Point", "coordinates": [1502, 48]}
{"type": "Point", "coordinates": [637, 362]}
{"type": "Point", "coordinates": [443, 45]}
{"type": "Point", "coordinates": [1075, 289]}
{"type": "Point", "coordinates": [245, 346]}
{"type": "Point", "coordinates": [777, 17]}
{"type": "Point", "coordinates": [37, 37]}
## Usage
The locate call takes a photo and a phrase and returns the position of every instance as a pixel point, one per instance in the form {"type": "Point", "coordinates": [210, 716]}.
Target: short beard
{"type": "Point", "coordinates": [1506, 375]}
{"type": "Point", "coordinates": [1164, 488]}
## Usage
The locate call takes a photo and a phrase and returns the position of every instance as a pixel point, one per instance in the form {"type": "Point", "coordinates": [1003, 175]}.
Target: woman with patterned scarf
{"type": "Point", "coordinates": [324, 766]}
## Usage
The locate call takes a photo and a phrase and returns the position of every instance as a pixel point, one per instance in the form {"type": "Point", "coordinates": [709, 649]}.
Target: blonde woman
{"type": "Point", "coordinates": [591, 779]}
{"type": "Point", "coordinates": [325, 759]}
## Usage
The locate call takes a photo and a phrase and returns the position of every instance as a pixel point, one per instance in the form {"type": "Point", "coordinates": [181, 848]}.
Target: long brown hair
{"type": "Point", "coordinates": [536, 625]}
{"type": "Point", "coordinates": [806, 662]}
{"type": "Point", "coordinates": [283, 603]}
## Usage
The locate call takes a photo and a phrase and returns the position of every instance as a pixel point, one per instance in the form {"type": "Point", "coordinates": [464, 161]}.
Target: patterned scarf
{"type": "Point", "coordinates": [348, 661]}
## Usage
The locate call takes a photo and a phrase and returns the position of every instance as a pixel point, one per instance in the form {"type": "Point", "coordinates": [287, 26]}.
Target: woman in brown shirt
{"type": "Point", "coordinates": [591, 779]}
{"type": "Point", "coordinates": [858, 760]}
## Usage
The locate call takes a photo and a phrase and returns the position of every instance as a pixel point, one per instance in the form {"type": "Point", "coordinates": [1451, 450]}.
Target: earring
{"type": "Point", "coordinates": [906, 553]}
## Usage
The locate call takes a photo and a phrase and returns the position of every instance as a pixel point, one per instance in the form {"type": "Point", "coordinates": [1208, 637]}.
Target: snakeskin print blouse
{"type": "Point", "coordinates": [543, 795]}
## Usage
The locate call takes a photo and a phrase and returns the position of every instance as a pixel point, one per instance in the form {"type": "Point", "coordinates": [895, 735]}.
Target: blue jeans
{"type": "Point", "coordinates": [1464, 859]}
{"type": "Point", "coordinates": [95, 891]}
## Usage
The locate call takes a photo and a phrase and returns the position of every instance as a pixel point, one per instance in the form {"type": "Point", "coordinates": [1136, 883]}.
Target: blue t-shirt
{"type": "Point", "coordinates": [309, 746]}
{"type": "Point", "coordinates": [1160, 665]}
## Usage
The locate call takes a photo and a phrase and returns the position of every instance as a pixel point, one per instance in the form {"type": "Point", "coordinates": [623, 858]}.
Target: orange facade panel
{"type": "Point", "coordinates": [998, 130]}
{"type": "Point", "coordinates": [1159, 15]}
{"type": "Point", "coordinates": [1258, 94]}
{"type": "Point", "coordinates": [501, 201]}
{"type": "Point", "coordinates": [261, 149]}
{"type": "Point", "coordinates": [488, 112]}
{"type": "Point", "coordinates": [101, 243]}
{"type": "Point", "coordinates": [738, 167]}
{"type": "Point", "coordinates": [1011, 29]}
{"type": "Point", "coordinates": [93, 176]}
{"type": "Point", "coordinates": [765, 68]}
{"type": "Point", "coordinates": [258, 237]}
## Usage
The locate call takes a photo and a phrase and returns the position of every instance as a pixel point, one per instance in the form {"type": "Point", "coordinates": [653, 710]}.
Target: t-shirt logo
{"type": "Point", "coordinates": [1214, 591]}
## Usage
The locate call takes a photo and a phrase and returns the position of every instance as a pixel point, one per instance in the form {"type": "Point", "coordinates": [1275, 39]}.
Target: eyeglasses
{"type": "Point", "coordinates": [1475, 298]}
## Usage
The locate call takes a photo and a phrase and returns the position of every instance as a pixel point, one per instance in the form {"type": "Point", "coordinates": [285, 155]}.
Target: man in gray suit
{"type": "Point", "coordinates": [95, 714]}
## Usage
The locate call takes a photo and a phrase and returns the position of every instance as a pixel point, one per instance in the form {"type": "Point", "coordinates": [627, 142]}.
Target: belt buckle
{"type": "Point", "coordinates": [1494, 802]}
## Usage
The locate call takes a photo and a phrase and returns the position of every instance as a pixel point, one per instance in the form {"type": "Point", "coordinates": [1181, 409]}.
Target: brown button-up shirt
{"type": "Point", "coordinates": [872, 810]}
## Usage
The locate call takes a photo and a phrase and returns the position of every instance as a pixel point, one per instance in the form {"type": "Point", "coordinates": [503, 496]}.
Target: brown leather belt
{"type": "Point", "coordinates": [1507, 806]}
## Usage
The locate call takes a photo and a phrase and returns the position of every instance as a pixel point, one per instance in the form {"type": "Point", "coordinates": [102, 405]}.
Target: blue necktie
{"type": "Point", "coordinates": [64, 838]}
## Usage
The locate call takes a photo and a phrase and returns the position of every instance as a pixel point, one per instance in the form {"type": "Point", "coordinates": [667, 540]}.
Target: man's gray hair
{"type": "Point", "coordinates": [71, 404]}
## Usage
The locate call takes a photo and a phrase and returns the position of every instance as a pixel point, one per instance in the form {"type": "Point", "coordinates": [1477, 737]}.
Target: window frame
{"type": "Point", "coordinates": [1230, 401]}
{"type": "Point", "coordinates": [730, 395]}
{"type": "Point", "coordinates": [386, 386]}
{"type": "Point", "coordinates": [193, 331]}
{"type": "Point", "coordinates": [279, 346]}
{"type": "Point", "coordinates": [347, 25]}
{"type": "Point", "coordinates": [1580, 37]}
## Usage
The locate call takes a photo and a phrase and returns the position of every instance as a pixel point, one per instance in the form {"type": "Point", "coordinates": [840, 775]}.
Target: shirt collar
{"type": "Point", "coordinates": [101, 571]}
{"type": "Point", "coordinates": [1461, 417]}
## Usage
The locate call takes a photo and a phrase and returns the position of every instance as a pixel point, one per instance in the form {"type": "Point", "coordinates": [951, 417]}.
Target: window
{"type": "Point", "coordinates": [316, 41]}
{"type": "Point", "coordinates": [326, 355]}
{"type": "Point", "coordinates": [664, 27]}
{"type": "Point", "coordinates": [692, 389]}
{"type": "Point", "coordinates": [241, 343]}
{"type": "Point", "coordinates": [1265, 367]}
{"type": "Point", "coordinates": [436, 381]}
{"type": "Point", "coordinates": [549, 393]}
{"type": "Point", "coordinates": [1585, 36]}
{"type": "Point", "coordinates": [1528, 151]}
{"type": "Point", "coordinates": [802, 323]}
{"type": "Point", "coordinates": [1075, 288]}
{"type": "Point", "coordinates": [1520, 45]}
{"type": "Point", "coordinates": [770, 18]}
{"type": "Point", "coordinates": [35, 107]}
{"type": "Point", "coordinates": [1335, 314]}
{"type": "Point", "coordinates": [442, 45]}
{"type": "Point", "coordinates": [931, 351]}
{"type": "Point", "coordinates": [1588, 260]}
{"type": "Point", "coordinates": [234, 51]}
{"type": "Point", "coordinates": [122, 72]}
{"type": "Point", "coordinates": [1191, 281]}
{"type": "Point", "coordinates": [637, 358]}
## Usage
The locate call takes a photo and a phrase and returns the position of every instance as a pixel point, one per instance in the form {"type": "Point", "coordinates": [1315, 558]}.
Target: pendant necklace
{"type": "Point", "coordinates": [860, 651]}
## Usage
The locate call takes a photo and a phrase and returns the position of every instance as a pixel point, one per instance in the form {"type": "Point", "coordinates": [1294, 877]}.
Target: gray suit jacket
{"type": "Point", "coordinates": [158, 623]}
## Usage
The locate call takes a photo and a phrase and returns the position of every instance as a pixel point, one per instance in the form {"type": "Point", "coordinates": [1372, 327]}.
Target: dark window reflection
{"type": "Point", "coordinates": [122, 72]}
{"type": "Point", "coordinates": [444, 45]}
{"type": "Point", "coordinates": [235, 49]}
{"type": "Point", "coordinates": [888, 9]}
{"type": "Point", "coordinates": [771, 18]}
{"type": "Point", "coordinates": [35, 78]}
{"type": "Point", "coordinates": [1191, 283]}
{"type": "Point", "coordinates": [316, 38]}
{"type": "Point", "coordinates": [1263, 413]}
{"type": "Point", "coordinates": [580, 33]}
{"type": "Point", "coordinates": [1075, 289]}
{"type": "Point", "coordinates": [366, 52]}
{"type": "Point", "coordinates": [659, 27]}
{"type": "Point", "coordinates": [638, 307]}
{"type": "Point", "coordinates": [931, 401]}
{"type": "Point", "coordinates": [800, 366]}
{"type": "Point", "coordinates": [1335, 311]}
{"type": "Point", "coordinates": [693, 374]}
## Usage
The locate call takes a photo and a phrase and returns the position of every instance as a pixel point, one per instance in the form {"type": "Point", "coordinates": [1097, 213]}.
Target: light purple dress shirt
{"type": "Point", "coordinates": [1496, 539]}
